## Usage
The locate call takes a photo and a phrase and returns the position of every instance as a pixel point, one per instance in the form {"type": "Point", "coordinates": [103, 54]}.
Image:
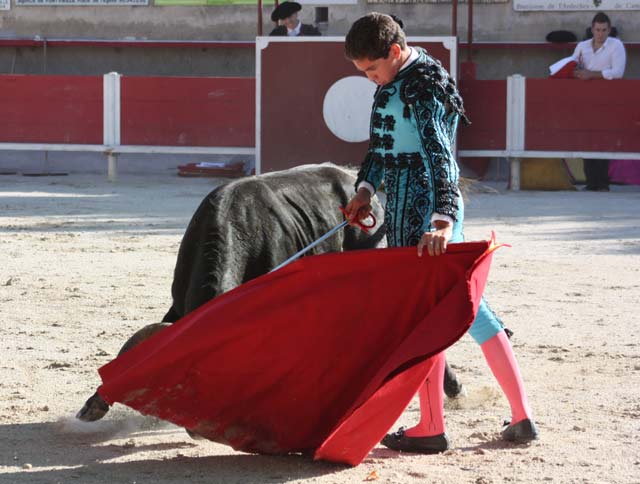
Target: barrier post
{"type": "Point", "coordinates": [111, 121]}
{"type": "Point", "coordinates": [515, 125]}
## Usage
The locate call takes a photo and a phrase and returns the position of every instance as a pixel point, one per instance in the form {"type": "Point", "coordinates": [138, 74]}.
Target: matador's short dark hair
{"type": "Point", "coordinates": [371, 37]}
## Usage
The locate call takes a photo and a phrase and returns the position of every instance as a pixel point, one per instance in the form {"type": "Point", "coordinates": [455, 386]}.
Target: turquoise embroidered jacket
{"type": "Point", "coordinates": [413, 124]}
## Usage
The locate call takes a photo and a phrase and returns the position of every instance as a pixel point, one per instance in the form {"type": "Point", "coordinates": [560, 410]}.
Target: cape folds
{"type": "Point", "coordinates": [320, 357]}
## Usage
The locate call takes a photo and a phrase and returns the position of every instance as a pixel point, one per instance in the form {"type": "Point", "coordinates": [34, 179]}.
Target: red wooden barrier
{"type": "Point", "coordinates": [574, 115]}
{"type": "Point", "coordinates": [293, 130]}
{"type": "Point", "coordinates": [187, 111]}
{"type": "Point", "coordinates": [51, 109]}
{"type": "Point", "coordinates": [560, 115]}
{"type": "Point", "coordinates": [486, 106]}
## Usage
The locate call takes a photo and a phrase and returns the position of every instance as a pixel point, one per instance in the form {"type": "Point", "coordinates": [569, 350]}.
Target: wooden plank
{"type": "Point", "coordinates": [292, 127]}
{"type": "Point", "coordinates": [188, 111]}
{"type": "Point", "coordinates": [486, 106]}
{"type": "Point", "coordinates": [575, 115]}
{"type": "Point", "coordinates": [51, 109]}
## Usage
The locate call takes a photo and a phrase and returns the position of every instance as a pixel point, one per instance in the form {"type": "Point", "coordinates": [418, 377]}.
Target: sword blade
{"type": "Point", "coordinates": [311, 245]}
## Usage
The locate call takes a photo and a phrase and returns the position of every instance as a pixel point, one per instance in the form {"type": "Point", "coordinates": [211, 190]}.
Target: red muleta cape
{"type": "Point", "coordinates": [321, 356]}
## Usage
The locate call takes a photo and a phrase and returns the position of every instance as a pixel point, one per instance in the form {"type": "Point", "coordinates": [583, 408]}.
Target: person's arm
{"type": "Point", "coordinates": [371, 171]}
{"type": "Point", "coordinates": [586, 74]}
{"type": "Point", "coordinates": [279, 31]}
{"type": "Point", "coordinates": [577, 54]}
{"type": "Point", "coordinates": [618, 63]}
{"type": "Point", "coordinates": [310, 30]}
{"type": "Point", "coordinates": [445, 169]}
{"type": "Point", "coordinates": [369, 178]}
{"type": "Point", "coordinates": [445, 173]}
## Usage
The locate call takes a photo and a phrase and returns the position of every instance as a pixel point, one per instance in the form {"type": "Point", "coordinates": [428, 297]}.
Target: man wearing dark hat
{"type": "Point", "coordinates": [286, 15]}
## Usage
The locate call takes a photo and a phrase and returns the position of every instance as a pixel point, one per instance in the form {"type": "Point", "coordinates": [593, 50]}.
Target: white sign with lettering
{"type": "Point", "coordinates": [575, 5]}
{"type": "Point", "coordinates": [5, 4]}
{"type": "Point", "coordinates": [73, 3]}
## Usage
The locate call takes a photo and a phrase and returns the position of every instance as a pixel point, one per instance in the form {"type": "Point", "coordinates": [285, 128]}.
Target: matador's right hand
{"type": "Point", "coordinates": [359, 207]}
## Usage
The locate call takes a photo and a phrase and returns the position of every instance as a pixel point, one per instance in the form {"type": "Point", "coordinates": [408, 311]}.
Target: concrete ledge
{"type": "Point", "coordinates": [112, 152]}
{"type": "Point", "coordinates": [52, 147]}
{"type": "Point", "coordinates": [548, 154]}
{"type": "Point", "coordinates": [188, 150]}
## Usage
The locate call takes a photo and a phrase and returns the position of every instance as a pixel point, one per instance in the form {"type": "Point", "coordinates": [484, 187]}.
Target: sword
{"type": "Point", "coordinates": [335, 229]}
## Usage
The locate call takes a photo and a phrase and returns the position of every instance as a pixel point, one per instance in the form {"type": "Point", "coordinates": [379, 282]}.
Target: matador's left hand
{"type": "Point", "coordinates": [436, 242]}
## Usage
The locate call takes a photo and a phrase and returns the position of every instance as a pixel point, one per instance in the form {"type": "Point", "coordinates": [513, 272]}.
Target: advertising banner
{"type": "Point", "coordinates": [205, 3]}
{"type": "Point", "coordinates": [575, 5]}
{"type": "Point", "coordinates": [433, 1]}
{"type": "Point", "coordinates": [74, 3]}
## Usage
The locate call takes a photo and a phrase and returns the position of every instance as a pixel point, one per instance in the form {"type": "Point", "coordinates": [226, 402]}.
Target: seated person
{"type": "Point", "coordinates": [286, 15]}
{"type": "Point", "coordinates": [601, 57]}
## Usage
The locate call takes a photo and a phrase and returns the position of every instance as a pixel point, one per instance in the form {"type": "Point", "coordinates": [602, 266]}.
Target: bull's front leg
{"type": "Point", "coordinates": [452, 386]}
{"type": "Point", "coordinates": [95, 407]}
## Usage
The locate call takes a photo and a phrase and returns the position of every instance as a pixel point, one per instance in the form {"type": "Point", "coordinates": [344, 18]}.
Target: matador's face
{"type": "Point", "coordinates": [382, 70]}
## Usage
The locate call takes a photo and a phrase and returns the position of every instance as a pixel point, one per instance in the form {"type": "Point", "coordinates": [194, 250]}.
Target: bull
{"type": "Point", "coordinates": [245, 228]}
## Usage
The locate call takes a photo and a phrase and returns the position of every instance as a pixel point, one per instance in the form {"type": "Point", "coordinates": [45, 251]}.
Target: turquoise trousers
{"type": "Point", "coordinates": [487, 324]}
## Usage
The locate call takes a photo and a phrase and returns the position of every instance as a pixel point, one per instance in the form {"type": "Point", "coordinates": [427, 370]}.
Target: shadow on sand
{"type": "Point", "coordinates": [34, 449]}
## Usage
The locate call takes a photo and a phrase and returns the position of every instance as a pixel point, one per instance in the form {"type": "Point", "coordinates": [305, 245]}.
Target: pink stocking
{"type": "Point", "coordinates": [431, 397]}
{"type": "Point", "coordinates": [499, 355]}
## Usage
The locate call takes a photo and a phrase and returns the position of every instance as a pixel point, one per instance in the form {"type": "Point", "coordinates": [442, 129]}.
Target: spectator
{"type": "Point", "coordinates": [601, 57]}
{"type": "Point", "coordinates": [286, 16]}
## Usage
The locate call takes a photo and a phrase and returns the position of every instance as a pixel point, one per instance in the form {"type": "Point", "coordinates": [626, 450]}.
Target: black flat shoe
{"type": "Point", "coordinates": [523, 431]}
{"type": "Point", "coordinates": [419, 445]}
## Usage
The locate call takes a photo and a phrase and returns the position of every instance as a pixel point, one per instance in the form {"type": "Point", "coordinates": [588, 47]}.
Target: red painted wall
{"type": "Point", "coordinates": [561, 115]}
{"type": "Point", "coordinates": [51, 109]}
{"type": "Point", "coordinates": [485, 103]}
{"type": "Point", "coordinates": [575, 115]}
{"type": "Point", "coordinates": [187, 111]}
{"type": "Point", "coordinates": [293, 130]}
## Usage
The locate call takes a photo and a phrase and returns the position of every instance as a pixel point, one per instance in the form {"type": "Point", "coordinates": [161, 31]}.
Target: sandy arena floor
{"type": "Point", "coordinates": [85, 263]}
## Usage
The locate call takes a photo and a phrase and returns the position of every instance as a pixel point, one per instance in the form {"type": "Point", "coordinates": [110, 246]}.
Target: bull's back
{"type": "Point", "coordinates": [245, 228]}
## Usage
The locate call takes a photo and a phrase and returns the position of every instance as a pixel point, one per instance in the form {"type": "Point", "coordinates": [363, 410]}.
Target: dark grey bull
{"type": "Point", "coordinates": [245, 228]}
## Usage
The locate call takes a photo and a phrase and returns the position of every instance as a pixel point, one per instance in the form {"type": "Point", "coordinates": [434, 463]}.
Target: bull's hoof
{"type": "Point", "coordinates": [453, 388]}
{"type": "Point", "coordinates": [94, 409]}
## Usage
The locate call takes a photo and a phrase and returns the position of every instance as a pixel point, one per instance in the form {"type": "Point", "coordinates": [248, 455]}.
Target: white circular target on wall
{"type": "Point", "coordinates": [347, 108]}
